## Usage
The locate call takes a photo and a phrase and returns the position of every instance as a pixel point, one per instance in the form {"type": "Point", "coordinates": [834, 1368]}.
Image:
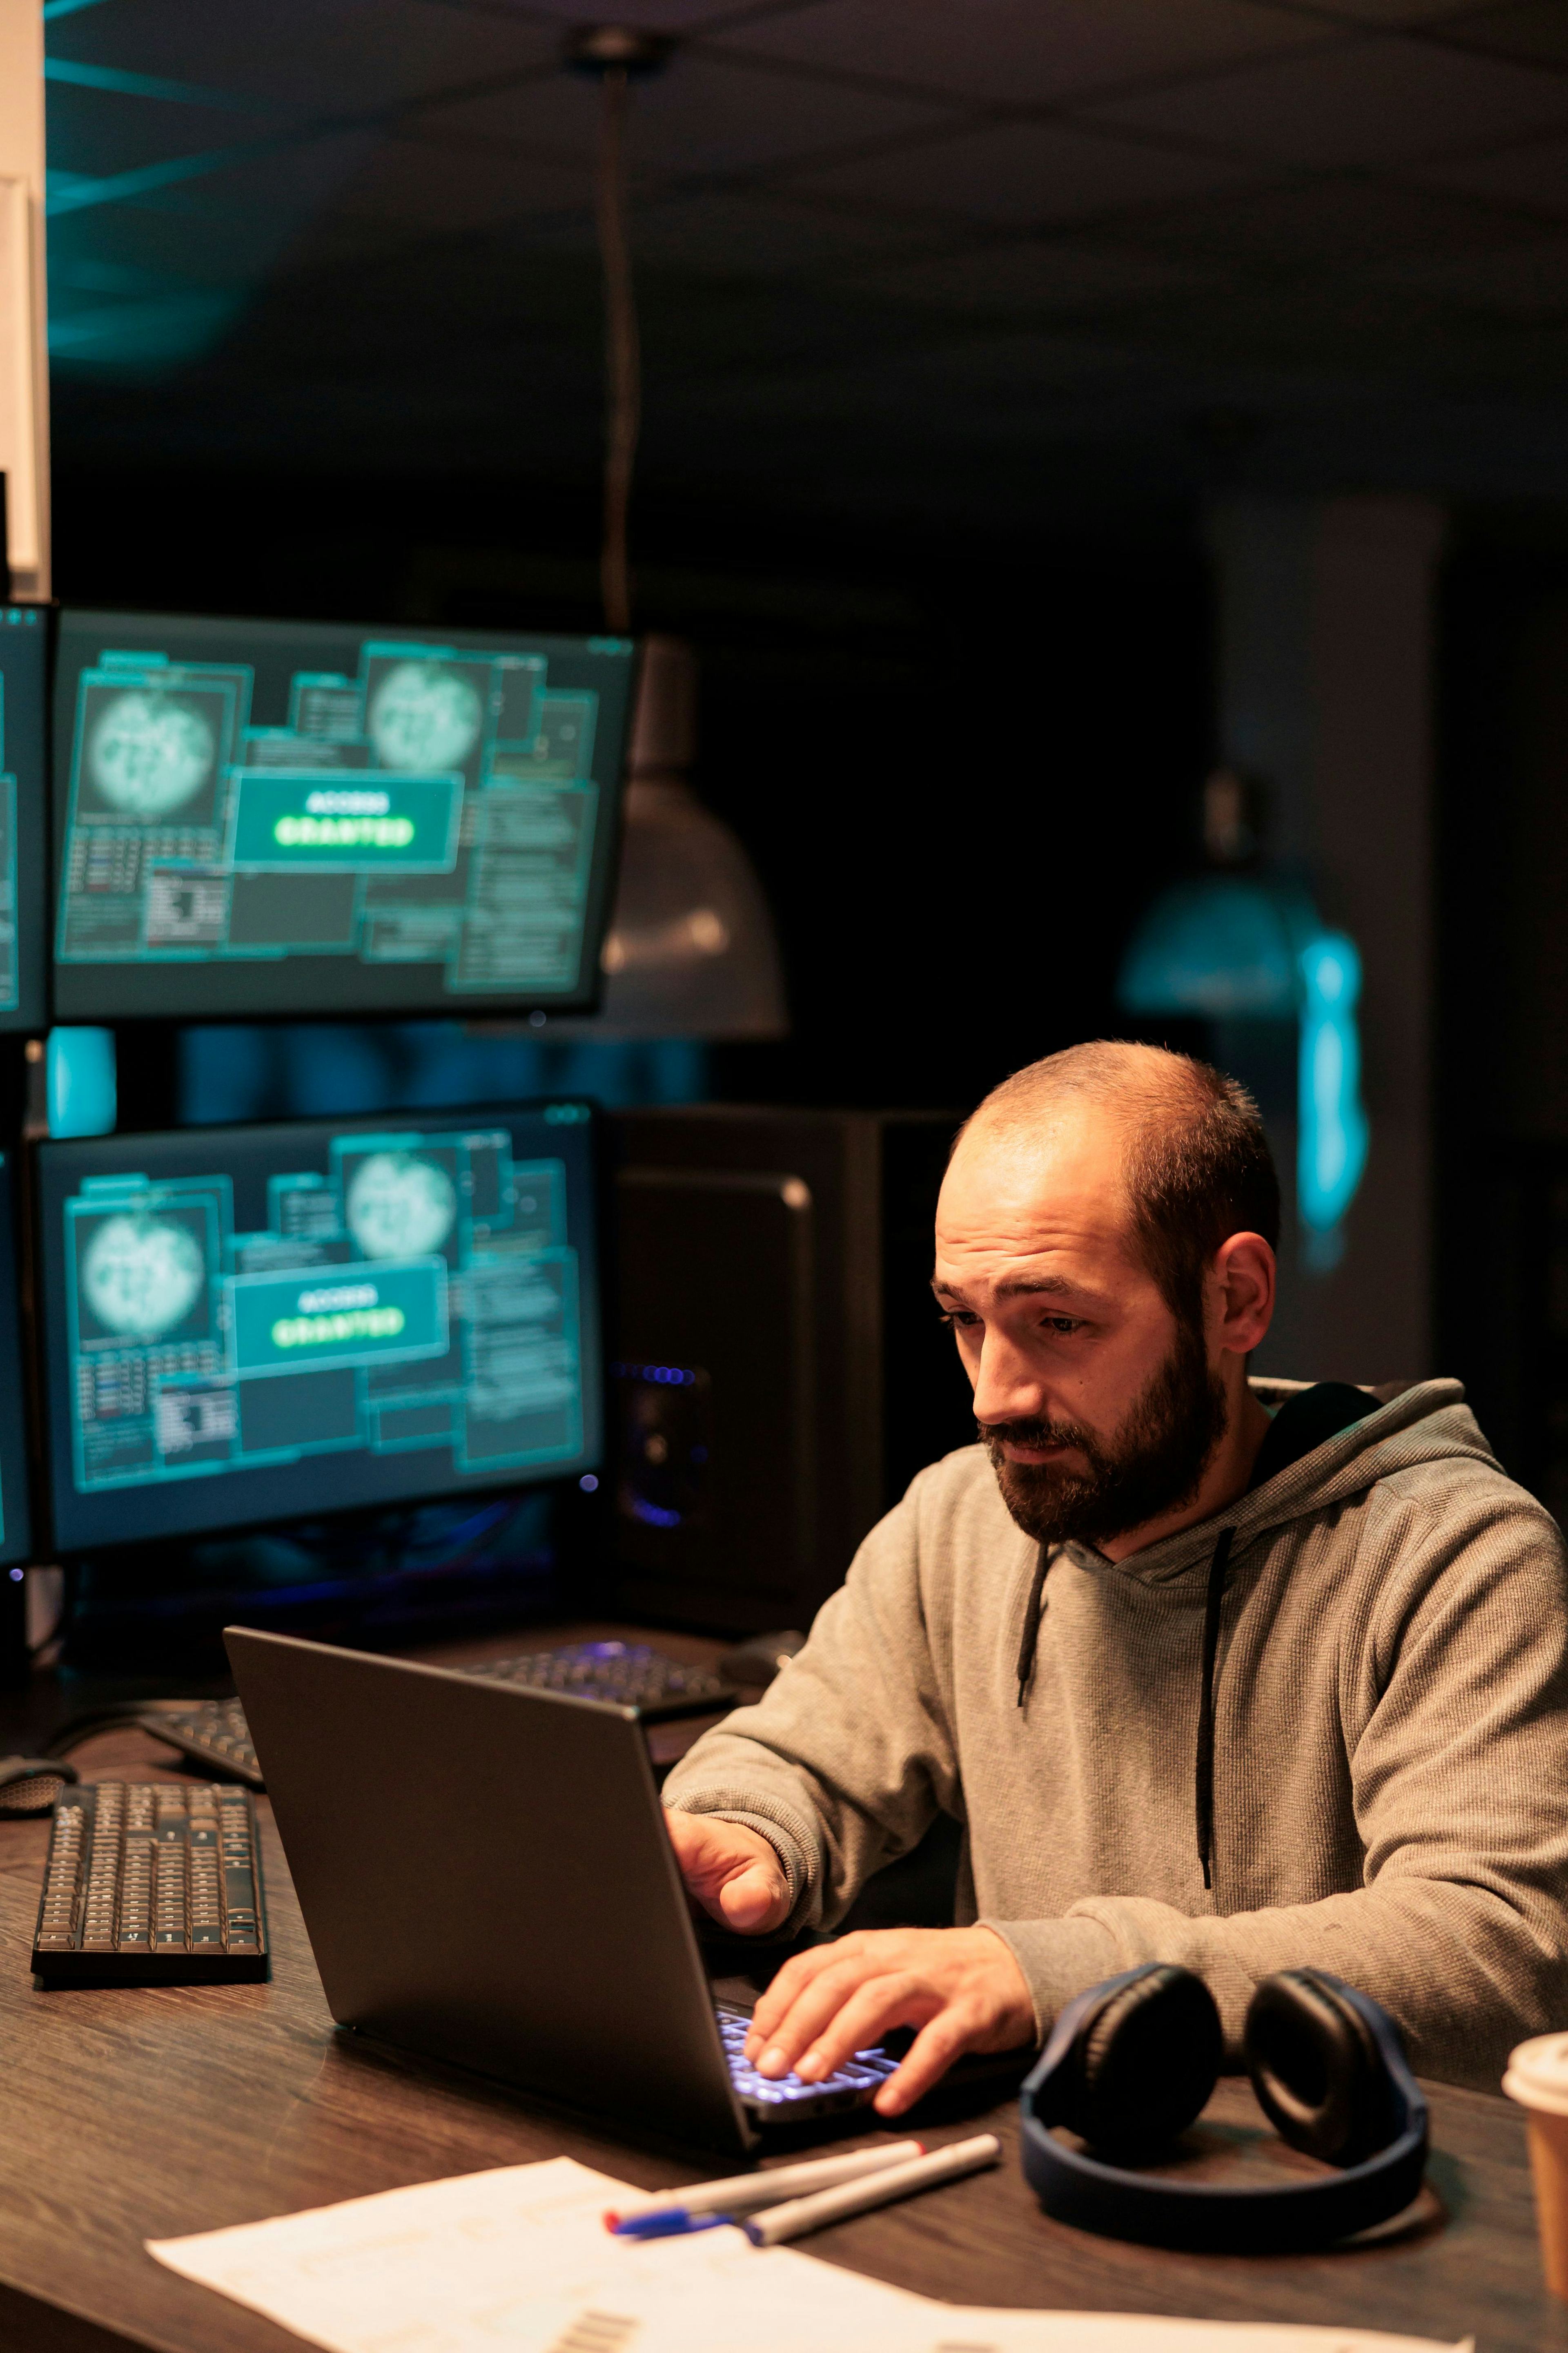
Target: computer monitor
{"type": "Point", "coordinates": [24, 824]}
{"type": "Point", "coordinates": [257, 817]}
{"type": "Point", "coordinates": [249, 1324]}
{"type": "Point", "coordinates": [15, 1518]}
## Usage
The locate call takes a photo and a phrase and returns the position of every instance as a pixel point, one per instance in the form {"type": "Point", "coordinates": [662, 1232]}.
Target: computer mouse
{"type": "Point", "coordinates": [33, 1784]}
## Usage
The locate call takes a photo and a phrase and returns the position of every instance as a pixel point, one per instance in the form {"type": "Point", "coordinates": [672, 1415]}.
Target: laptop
{"type": "Point", "coordinates": [486, 1879]}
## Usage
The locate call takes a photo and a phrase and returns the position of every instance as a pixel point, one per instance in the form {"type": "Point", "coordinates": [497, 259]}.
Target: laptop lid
{"type": "Point", "coordinates": [485, 1878]}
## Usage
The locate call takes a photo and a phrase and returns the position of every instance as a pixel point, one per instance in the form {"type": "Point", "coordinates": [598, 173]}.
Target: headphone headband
{"type": "Point", "coordinates": [1209, 2217]}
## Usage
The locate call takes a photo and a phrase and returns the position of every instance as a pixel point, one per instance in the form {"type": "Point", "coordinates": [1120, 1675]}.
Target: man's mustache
{"type": "Point", "coordinates": [993, 1434]}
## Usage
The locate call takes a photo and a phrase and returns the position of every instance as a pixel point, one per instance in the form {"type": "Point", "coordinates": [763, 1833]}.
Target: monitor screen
{"type": "Point", "coordinates": [262, 818]}
{"type": "Point", "coordinates": [24, 831]}
{"type": "Point", "coordinates": [15, 1519]}
{"type": "Point", "coordinates": [248, 1325]}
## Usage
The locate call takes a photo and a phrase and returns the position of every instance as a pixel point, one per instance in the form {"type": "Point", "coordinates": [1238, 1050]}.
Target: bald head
{"type": "Point", "coordinates": [1184, 1146]}
{"type": "Point", "coordinates": [1140, 1087]}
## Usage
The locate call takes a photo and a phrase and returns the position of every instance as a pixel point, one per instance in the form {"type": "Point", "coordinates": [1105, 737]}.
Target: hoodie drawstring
{"type": "Point", "coordinates": [1202, 1776]}
{"type": "Point", "coordinates": [1214, 1603]}
{"type": "Point", "coordinates": [1033, 1613]}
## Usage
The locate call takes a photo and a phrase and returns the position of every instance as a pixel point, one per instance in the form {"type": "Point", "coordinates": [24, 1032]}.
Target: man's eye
{"type": "Point", "coordinates": [958, 1316]}
{"type": "Point", "coordinates": [1062, 1324]}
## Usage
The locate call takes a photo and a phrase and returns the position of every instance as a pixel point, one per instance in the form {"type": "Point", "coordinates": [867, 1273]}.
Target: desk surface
{"type": "Point", "coordinates": [136, 2115]}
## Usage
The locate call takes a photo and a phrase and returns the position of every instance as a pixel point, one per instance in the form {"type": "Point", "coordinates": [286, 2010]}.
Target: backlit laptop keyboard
{"type": "Point", "coordinates": [782, 2099]}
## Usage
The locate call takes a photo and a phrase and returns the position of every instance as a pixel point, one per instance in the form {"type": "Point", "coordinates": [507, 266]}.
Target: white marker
{"type": "Point", "coordinates": [876, 2189]}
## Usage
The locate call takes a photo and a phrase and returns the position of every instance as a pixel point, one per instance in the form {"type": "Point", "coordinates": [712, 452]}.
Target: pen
{"type": "Point", "coordinates": [707, 2202]}
{"type": "Point", "coordinates": [802, 2214]}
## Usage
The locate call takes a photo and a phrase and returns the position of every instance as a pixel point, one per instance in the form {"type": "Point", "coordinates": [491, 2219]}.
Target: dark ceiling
{"type": "Point", "coordinates": [968, 261]}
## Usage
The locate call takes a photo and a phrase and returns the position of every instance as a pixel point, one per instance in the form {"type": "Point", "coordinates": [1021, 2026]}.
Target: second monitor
{"type": "Point", "coordinates": [259, 817]}
{"type": "Point", "coordinates": [250, 1324]}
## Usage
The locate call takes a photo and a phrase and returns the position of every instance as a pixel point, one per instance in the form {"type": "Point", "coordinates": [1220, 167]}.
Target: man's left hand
{"type": "Point", "coordinates": [960, 1986]}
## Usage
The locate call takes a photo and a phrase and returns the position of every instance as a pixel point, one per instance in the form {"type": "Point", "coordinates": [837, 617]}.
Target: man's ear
{"type": "Point", "coordinates": [1243, 1296]}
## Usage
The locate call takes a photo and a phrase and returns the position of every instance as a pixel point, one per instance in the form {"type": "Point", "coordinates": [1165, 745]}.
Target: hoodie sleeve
{"type": "Point", "coordinates": [847, 1757]}
{"type": "Point", "coordinates": [1454, 1695]}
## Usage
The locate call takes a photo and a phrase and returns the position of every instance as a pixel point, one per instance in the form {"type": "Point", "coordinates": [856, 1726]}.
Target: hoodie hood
{"type": "Point", "coordinates": [1424, 1421]}
{"type": "Point", "coordinates": [1404, 1426]}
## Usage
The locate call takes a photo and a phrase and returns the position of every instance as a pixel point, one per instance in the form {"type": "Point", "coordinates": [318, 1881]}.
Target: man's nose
{"type": "Point", "coordinates": [1006, 1387]}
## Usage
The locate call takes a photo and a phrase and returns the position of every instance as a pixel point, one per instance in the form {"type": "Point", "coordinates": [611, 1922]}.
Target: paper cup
{"type": "Point", "coordinates": [1537, 2078]}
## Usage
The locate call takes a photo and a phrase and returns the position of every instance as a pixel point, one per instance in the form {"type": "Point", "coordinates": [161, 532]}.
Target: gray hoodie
{"type": "Point", "coordinates": [1389, 1680]}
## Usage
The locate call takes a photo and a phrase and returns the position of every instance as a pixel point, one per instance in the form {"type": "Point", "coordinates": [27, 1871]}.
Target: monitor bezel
{"type": "Point", "coordinates": [54, 1452]}
{"type": "Point", "coordinates": [490, 1006]}
{"type": "Point", "coordinates": [34, 911]}
{"type": "Point", "coordinates": [21, 1465]}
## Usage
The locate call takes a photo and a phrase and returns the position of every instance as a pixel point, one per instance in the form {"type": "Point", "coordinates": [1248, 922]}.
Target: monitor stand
{"type": "Point", "coordinates": [372, 1580]}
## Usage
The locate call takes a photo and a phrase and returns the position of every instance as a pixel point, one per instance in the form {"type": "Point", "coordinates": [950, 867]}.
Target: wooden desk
{"type": "Point", "coordinates": [132, 2115]}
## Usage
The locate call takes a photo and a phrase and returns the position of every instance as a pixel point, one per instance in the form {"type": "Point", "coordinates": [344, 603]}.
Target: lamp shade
{"type": "Point", "coordinates": [690, 950]}
{"type": "Point", "coordinates": [1219, 947]}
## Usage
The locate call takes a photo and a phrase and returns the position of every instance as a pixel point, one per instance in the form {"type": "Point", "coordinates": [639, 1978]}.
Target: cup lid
{"type": "Point", "coordinates": [1538, 2073]}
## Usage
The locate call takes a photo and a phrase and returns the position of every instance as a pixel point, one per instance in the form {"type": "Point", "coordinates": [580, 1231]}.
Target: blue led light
{"type": "Point", "coordinates": [652, 1514]}
{"type": "Point", "coordinates": [588, 1484]}
{"type": "Point", "coordinates": [1333, 1126]}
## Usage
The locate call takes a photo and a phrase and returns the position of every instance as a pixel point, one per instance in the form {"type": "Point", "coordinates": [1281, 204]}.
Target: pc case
{"type": "Point", "coordinates": [778, 1372]}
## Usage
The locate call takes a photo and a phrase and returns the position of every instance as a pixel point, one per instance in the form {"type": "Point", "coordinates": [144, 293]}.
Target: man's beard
{"type": "Point", "coordinates": [1154, 1465]}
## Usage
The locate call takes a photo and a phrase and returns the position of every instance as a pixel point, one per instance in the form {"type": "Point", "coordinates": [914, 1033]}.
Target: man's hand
{"type": "Point", "coordinates": [960, 1986]}
{"type": "Point", "coordinates": [730, 1870]}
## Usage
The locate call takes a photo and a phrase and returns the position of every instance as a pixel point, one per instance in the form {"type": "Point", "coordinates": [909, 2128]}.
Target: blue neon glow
{"type": "Point", "coordinates": [1230, 947]}
{"type": "Point", "coordinates": [137, 84]}
{"type": "Point", "coordinates": [1333, 1135]}
{"type": "Point", "coordinates": [82, 1082]}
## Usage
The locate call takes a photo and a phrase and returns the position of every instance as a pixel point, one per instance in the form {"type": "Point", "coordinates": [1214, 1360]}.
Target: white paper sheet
{"type": "Point", "coordinates": [971, 2331]}
{"type": "Point", "coordinates": [518, 2260]}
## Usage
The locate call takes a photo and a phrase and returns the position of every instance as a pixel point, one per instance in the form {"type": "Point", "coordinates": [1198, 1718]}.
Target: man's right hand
{"type": "Point", "coordinates": [730, 1870]}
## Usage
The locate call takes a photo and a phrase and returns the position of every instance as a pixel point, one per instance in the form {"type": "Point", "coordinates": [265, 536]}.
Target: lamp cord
{"type": "Point", "coordinates": [622, 360]}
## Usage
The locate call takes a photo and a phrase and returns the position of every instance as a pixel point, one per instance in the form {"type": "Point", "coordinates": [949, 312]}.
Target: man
{"type": "Point", "coordinates": [1245, 1676]}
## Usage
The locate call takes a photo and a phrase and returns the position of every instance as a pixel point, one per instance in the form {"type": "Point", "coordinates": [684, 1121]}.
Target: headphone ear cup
{"type": "Point", "coordinates": [1143, 2062]}
{"type": "Point", "coordinates": [1316, 2068]}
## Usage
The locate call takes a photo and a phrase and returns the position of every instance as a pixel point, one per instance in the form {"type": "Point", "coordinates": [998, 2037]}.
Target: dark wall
{"type": "Point", "coordinates": [1503, 1015]}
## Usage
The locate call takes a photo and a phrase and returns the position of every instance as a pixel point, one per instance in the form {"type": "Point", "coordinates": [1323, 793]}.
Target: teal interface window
{"type": "Point", "coordinates": [250, 1324]}
{"type": "Point", "coordinates": [16, 1519]}
{"type": "Point", "coordinates": [258, 817]}
{"type": "Point", "coordinates": [24, 910]}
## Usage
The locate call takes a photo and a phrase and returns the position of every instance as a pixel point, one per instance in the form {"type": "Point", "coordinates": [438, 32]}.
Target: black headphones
{"type": "Point", "coordinates": [1131, 2063]}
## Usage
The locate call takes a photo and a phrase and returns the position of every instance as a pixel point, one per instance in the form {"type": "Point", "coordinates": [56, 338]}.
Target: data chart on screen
{"type": "Point", "coordinates": [259, 816]}
{"type": "Point", "coordinates": [248, 1325]}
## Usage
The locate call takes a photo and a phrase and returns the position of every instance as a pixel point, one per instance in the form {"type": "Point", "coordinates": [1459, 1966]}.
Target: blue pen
{"type": "Point", "coordinates": [667, 2223]}
{"type": "Point", "coordinates": [708, 2205]}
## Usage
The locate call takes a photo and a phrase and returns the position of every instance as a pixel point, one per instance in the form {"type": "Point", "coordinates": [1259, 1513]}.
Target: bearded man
{"type": "Point", "coordinates": [1244, 1676]}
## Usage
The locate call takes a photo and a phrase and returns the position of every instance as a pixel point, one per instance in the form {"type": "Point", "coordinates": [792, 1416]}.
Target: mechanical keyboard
{"type": "Point", "coordinates": [785, 2099]}
{"type": "Point", "coordinates": [627, 1674]}
{"type": "Point", "coordinates": [152, 1882]}
{"type": "Point", "coordinates": [212, 1733]}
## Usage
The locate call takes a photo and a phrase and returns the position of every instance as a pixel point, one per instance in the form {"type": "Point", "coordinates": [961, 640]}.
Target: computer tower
{"type": "Point", "coordinates": [778, 1372]}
